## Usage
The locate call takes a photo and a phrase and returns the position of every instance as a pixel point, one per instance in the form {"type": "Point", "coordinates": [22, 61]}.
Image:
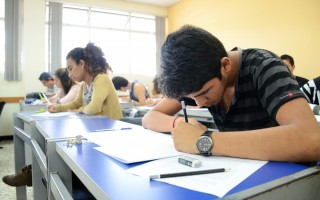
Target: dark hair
{"type": "Point", "coordinates": [156, 89]}
{"type": "Point", "coordinates": [190, 57]}
{"type": "Point", "coordinates": [66, 81]}
{"type": "Point", "coordinates": [119, 82]}
{"type": "Point", "coordinates": [288, 58]}
{"type": "Point", "coordinates": [93, 57]}
{"type": "Point", "coordinates": [45, 76]}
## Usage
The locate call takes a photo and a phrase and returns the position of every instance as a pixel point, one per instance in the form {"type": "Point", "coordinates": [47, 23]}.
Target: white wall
{"type": "Point", "coordinates": [33, 59]}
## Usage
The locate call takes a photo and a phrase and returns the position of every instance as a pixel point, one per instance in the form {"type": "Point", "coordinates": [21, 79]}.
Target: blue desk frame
{"type": "Point", "coordinates": [24, 144]}
{"type": "Point", "coordinates": [106, 179]}
{"type": "Point", "coordinates": [48, 131]}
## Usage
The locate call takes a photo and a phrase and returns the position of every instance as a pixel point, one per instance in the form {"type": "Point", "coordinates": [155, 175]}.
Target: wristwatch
{"type": "Point", "coordinates": [205, 143]}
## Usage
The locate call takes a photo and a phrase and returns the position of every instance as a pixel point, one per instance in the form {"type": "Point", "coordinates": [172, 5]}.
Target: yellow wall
{"type": "Point", "coordinates": [287, 26]}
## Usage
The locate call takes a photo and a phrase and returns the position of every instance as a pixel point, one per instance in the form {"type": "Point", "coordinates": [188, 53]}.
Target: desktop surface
{"type": "Point", "coordinates": [71, 127]}
{"type": "Point", "coordinates": [114, 183]}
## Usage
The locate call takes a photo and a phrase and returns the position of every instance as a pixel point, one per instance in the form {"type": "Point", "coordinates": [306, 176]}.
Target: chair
{"type": "Point", "coordinates": [1, 106]}
{"type": "Point", "coordinates": [2, 103]}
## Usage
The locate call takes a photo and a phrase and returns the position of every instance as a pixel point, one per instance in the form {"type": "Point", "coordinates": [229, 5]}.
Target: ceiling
{"type": "Point", "coordinates": [161, 3]}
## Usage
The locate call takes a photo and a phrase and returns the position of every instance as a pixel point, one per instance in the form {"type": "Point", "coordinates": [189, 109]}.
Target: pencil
{"type": "Point", "coordinates": [190, 173]}
{"type": "Point", "coordinates": [44, 95]}
{"type": "Point", "coordinates": [184, 111]}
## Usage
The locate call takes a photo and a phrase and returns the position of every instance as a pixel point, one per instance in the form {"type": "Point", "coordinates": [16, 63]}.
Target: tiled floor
{"type": "Point", "coordinates": [7, 167]}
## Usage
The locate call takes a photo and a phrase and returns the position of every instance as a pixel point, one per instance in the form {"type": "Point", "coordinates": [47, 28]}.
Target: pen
{"type": "Point", "coordinates": [112, 129]}
{"type": "Point", "coordinates": [40, 96]}
{"type": "Point", "coordinates": [191, 173]}
{"type": "Point", "coordinates": [44, 95]}
{"type": "Point", "coordinates": [184, 111]}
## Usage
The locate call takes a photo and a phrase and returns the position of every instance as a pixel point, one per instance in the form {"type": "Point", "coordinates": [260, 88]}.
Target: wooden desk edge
{"type": "Point", "coordinates": [11, 99]}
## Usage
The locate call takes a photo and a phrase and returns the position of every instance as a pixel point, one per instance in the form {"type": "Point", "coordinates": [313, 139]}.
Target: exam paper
{"type": "Point", "coordinates": [217, 184]}
{"type": "Point", "coordinates": [136, 145]}
{"type": "Point", "coordinates": [58, 114]}
{"type": "Point", "coordinates": [318, 118]}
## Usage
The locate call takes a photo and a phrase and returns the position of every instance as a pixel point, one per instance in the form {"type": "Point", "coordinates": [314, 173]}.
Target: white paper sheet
{"type": "Point", "coordinates": [318, 118]}
{"type": "Point", "coordinates": [134, 145]}
{"type": "Point", "coordinates": [58, 114]}
{"type": "Point", "coordinates": [217, 184]}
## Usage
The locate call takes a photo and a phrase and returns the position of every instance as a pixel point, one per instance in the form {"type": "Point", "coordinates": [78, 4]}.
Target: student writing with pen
{"type": "Point", "coordinates": [68, 88]}
{"type": "Point", "coordinates": [250, 93]}
{"type": "Point", "coordinates": [97, 95]}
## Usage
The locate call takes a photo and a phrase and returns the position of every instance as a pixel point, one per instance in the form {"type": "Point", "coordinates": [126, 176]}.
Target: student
{"type": "Point", "coordinates": [256, 104]}
{"type": "Point", "coordinates": [288, 60]}
{"type": "Point", "coordinates": [312, 90]}
{"type": "Point", "coordinates": [137, 91]}
{"type": "Point", "coordinates": [48, 81]}
{"type": "Point", "coordinates": [97, 95]}
{"type": "Point", "coordinates": [156, 95]}
{"type": "Point", "coordinates": [68, 88]}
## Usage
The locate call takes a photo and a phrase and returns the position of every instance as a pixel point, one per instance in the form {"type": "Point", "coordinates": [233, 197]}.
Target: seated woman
{"type": "Point", "coordinates": [68, 88]}
{"type": "Point", "coordinates": [156, 95]}
{"type": "Point", "coordinates": [138, 92]}
{"type": "Point", "coordinates": [97, 95]}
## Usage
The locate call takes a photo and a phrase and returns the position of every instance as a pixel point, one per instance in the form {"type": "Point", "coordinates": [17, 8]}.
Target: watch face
{"type": "Point", "coordinates": [204, 144]}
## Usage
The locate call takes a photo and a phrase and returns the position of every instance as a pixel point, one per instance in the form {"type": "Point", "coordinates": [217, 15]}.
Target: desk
{"type": "Point", "coordinates": [48, 131]}
{"type": "Point", "coordinates": [136, 111]}
{"type": "Point", "coordinates": [30, 107]}
{"type": "Point", "coordinates": [106, 179]}
{"type": "Point", "coordinates": [24, 125]}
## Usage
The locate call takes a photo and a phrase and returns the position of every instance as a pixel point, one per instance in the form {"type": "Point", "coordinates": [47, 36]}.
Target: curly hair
{"type": "Point", "coordinates": [190, 57]}
{"type": "Point", "coordinates": [93, 57]}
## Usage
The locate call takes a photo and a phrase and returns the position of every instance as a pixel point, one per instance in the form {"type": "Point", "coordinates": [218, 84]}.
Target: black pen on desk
{"type": "Point", "coordinates": [112, 129]}
{"type": "Point", "coordinates": [184, 111]}
{"type": "Point", "coordinates": [190, 173]}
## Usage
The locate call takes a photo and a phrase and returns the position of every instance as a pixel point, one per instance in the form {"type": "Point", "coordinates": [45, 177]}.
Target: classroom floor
{"type": "Point", "coordinates": [6, 168]}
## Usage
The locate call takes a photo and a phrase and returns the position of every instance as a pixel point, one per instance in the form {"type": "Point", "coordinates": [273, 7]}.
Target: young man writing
{"type": "Point", "coordinates": [256, 104]}
{"type": "Point", "coordinates": [48, 81]}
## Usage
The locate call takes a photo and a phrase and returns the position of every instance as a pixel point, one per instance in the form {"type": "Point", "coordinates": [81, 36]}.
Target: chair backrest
{"type": "Point", "coordinates": [1, 106]}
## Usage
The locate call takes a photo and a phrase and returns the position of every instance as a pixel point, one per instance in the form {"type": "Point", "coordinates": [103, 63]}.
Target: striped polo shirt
{"type": "Point", "coordinates": [264, 84]}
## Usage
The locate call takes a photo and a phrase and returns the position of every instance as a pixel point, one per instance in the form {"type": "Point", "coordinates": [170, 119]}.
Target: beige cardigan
{"type": "Point", "coordinates": [104, 100]}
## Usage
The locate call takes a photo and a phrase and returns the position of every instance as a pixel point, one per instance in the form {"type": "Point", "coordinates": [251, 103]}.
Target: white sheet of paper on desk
{"type": "Point", "coordinates": [217, 184]}
{"type": "Point", "coordinates": [58, 114]}
{"type": "Point", "coordinates": [318, 118]}
{"type": "Point", "coordinates": [136, 145]}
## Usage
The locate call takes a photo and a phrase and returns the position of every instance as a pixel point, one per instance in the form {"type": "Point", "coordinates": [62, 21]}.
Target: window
{"type": "Point", "coordinates": [127, 39]}
{"type": "Point", "coordinates": [2, 36]}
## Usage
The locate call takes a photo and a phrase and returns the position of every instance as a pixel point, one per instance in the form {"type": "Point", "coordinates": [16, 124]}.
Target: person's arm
{"type": "Point", "coordinates": [161, 117]}
{"type": "Point", "coordinates": [77, 103]}
{"type": "Point", "coordinates": [72, 94]}
{"type": "Point", "coordinates": [56, 97]}
{"type": "Point", "coordinates": [296, 139]}
{"type": "Point", "coordinates": [140, 93]}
